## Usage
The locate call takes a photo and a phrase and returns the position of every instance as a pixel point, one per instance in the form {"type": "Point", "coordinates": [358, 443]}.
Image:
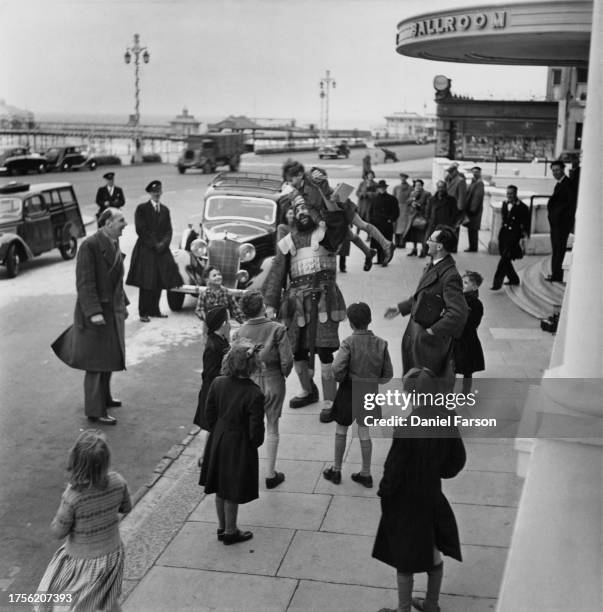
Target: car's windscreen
{"type": "Point", "coordinates": [239, 207]}
{"type": "Point", "coordinates": [10, 209]}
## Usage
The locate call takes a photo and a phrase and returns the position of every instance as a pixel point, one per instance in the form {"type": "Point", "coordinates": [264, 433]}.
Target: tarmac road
{"type": "Point", "coordinates": [41, 400]}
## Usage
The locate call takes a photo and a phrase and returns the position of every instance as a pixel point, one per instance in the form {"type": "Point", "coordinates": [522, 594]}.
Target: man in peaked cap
{"type": "Point", "coordinates": [109, 195]}
{"type": "Point", "coordinates": [152, 267]}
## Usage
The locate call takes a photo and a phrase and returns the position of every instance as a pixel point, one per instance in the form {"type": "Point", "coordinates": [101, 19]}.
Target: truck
{"type": "Point", "coordinates": [207, 151]}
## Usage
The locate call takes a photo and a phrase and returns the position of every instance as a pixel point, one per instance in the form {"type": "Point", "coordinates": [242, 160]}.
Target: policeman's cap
{"type": "Point", "coordinates": [109, 176]}
{"type": "Point", "coordinates": [153, 187]}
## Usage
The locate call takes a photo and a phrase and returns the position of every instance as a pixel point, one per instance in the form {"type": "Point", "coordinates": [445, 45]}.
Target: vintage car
{"type": "Point", "coordinates": [19, 160]}
{"type": "Point", "coordinates": [35, 219]}
{"type": "Point", "coordinates": [68, 158]}
{"type": "Point", "coordinates": [334, 151]}
{"type": "Point", "coordinates": [237, 234]}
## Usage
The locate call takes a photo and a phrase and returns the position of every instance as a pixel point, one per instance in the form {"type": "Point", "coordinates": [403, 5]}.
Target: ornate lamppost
{"type": "Point", "coordinates": [325, 86]}
{"type": "Point", "coordinates": [136, 50]}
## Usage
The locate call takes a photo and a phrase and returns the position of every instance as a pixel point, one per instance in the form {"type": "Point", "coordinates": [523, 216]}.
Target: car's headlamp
{"type": "Point", "coordinates": [199, 247]}
{"type": "Point", "coordinates": [246, 252]}
{"type": "Point", "coordinates": [242, 276]}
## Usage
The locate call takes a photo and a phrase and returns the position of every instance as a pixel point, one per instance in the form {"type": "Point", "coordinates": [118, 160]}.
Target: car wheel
{"type": "Point", "coordinates": [69, 250]}
{"type": "Point", "coordinates": [64, 166]}
{"type": "Point", "coordinates": [42, 168]}
{"type": "Point", "coordinates": [320, 157]}
{"type": "Point", "coordinates": [181, 169]}
{"type": "Point", "coordinates": [92, 165]}
{"type": "Point", "coordinates": [206, 168]}
{"type": "Point", "coordinates": [175, 300]}
{"type": "Point", "coordinates": [12, 261]}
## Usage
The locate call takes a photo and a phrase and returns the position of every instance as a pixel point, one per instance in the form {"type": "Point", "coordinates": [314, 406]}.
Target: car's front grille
{"type": "Point", "coordinates": [224, 255]}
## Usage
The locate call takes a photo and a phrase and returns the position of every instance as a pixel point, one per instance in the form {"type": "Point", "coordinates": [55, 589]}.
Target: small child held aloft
{"type": "Point", "coordinates": [235, 416]}
{"type": "Point", "coordinates": [89, 565]}
{"type": "Point", "coordinates": [417, 523]}
{"type": "Point", "coordinates": [468, 352]}
{"type": "Point", "coordinates": [216, 295]}
{"type": "Point", "coordinates": [361, 357]}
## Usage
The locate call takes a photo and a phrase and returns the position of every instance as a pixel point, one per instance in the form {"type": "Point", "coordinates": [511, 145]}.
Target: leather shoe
{"type": "Point", "coordinates": [419, 604]}
{"type": "Point", "coordinates": [275, 481]}
{"type": "Point", "coordinates": [390, 254]}
{"type": "Point", "coordinates": [235, 538]}
{"type": "Point", "coordinates": [511, 284]}
{"type": "Point", "coordinates": [366, 481]}
{"type": "Point", "coordinates": [368, 260]}
{"type": "Point", "coordinates": [494, 288]}
{"type": "Point", "coordinates": [412, 253]}
{"type": "Point", "coordinates": [470, 250]}
{"type": "Point", "coordinates": [160, 315]}
{"type": "Point", "coordinates": [333, 475]}
{"type": "Point", "coordinates": [220, 534]}
{"type": "Point", "coordinates": [326, 415]}
{"type": "Point", "coordinates": [105, 420]}
{"type": "Point", "coordinates": [113, 403]}
{"type": "Point", "coordinates": [145, 319]}
{"type": "Point", "coordinates": [306, 400]}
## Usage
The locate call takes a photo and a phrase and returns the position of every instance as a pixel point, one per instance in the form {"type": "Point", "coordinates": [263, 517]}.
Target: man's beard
{"type": "Point", "coordinates": [304, 223]}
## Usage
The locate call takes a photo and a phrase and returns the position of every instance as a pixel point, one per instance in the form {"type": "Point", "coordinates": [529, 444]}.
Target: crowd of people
{"type": "Point", "coordinates": [284, 326]}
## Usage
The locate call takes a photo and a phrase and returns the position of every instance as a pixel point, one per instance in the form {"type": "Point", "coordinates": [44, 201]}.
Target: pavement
{"type": "Point", "coordinates": [312, 541]}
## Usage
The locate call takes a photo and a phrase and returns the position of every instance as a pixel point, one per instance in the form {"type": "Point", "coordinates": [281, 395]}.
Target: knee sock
{"type": "Point", "coordinates": [405, 584]}
{"type": "Point", "coordinates": [434, 584]}
{"type": "Point", "coordinates": [340, 440]}
{"type": "Point", "coordinates": [230, 516]}
{"type": "Point", "coordinates": [366, 451]}
{"type": "Point", "coordinates": [272, 440]}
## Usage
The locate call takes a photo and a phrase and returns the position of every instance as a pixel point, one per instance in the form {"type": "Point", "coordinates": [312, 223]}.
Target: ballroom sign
{"type": "Point", "coordinates": [459, 23]}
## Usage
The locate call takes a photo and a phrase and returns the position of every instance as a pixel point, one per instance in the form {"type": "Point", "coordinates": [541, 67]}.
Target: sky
{"type": "Point", "coordinates": [260, 58]}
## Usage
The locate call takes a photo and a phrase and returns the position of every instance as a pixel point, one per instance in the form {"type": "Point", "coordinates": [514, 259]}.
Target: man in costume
{"type": "Point", "coordinates": [311, 305]}
{"type": "Point", "coordinates": [95, 342]}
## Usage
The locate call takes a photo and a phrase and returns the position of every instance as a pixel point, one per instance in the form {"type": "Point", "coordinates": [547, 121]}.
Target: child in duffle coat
{"type": "Point", "coordinates": [86, 572]}
{"type": "Point", "coordinates": [417, 523]}
{"type": "Point", "coordinates": [468, 352]}
{"type": "Point", "coordinates": [361, 357]}
{"type": "Point", "coordinates": [235, 416]}
{"type": "Point", "coordinates": [276, 361]}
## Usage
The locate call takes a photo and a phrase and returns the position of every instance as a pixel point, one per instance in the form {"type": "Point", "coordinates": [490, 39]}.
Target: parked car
{"type": "Point", "coordinates": [207, 151]}
{"type": "Point", "coordinates": [35, 219]}
{"type": "Point", "coordinates": [107, 160]}
{"type": "Point", "coordinates": [68, 158]}
{"type": "Point", "coordinates": [237, 234]}
{"type": "Point", "coordinates": [334, 152]}
{"type": "Point", "coordinates": [19, 160]}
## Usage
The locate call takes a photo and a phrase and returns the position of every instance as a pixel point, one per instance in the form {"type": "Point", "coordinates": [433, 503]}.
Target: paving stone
{"type": "Point", "coordinates": [516, 333]}
{"type": "Point", "coordinates": [197, 547]}
{"type": "Point", "coordinates": [274, 509]}
{"type": "Point", "coordinates": [331, 557]}
{"type": "Point", "coordinates": [303, 447]}
{"type": "Point", "coordinates": [353, 515]}
{"type": "Point", "coordinates": [381, 447]}
{"type": "Point", "coordinates": [483, 488]}
{"type": "Point", "coordinates": [180, 590]}
{"type": "Point", "coordinates": [295, 423]}
{"type": "Point", "coordinates": [485, 525]}
{"type": "Point", "coordinates": [300, 476]}
{"type": "Point", "coordinates": [494, 457]}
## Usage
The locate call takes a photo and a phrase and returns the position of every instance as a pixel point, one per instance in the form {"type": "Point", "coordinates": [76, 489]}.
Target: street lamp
{"type": "Point", "coordinates": [325, 85]}
{"type": "Point", "coordinates": [136, 50]}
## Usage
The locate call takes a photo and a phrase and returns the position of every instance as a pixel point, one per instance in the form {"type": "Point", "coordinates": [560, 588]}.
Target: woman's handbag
{"type": "Point", "coordinates": [419, 222]}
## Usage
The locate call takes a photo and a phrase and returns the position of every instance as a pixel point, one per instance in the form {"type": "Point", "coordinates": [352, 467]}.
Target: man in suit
{"type": "Point", "coordinates": [95, 342]}
{"type": "Point", "coordinates": [440, 209]}
{"type": "Point", "coordinates": [110, 195]}
{"type": "Point", "coordinates": [515, 227]}
{"type": "Point", "coordinates": [456, 186]}
{"type": "Point", "coordinates": [432, 347]}
{"type": "Point", "coordinates": [474, 208]}
{"type": "Point", "coordinates": [384, 213]}
{"type": "Point", "coordinates": [561, 213]}
{"type": "Point", "coordinates": [152, 267]}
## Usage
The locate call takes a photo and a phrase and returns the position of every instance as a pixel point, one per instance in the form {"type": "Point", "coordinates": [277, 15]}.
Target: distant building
{"type": "Point", "coordinates": [234, 124]}
{"type": "Point", "coordinates": [184, 125]}
{"type": "Point", "coordinates": [409, 126]}
{"type": "Point", "coordinates": [13, 117]}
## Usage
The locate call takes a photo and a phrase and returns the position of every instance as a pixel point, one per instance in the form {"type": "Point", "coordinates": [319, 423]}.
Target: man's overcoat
{"type": "Point", "coordinates": [419, 348]}
{"type": "Point", "coordinates": [153, 266]}
{"type": "Point", "coordinates": [475, 204]}
{"type": "Point", "coordinates": [99, 279]}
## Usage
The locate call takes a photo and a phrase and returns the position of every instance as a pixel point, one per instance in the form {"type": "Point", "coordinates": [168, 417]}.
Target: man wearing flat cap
{"type": "Point", "coordinates": [110, 195]}
{"type": "Point", "coordinates": [474, 208]}
{"type": "Point", "coordinates": [152, 268]}
{"type": "Point", "coordinates": [384, 212]}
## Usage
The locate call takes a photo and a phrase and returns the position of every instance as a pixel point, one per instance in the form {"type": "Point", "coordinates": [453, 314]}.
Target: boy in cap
{"type": "Point", "coordinates": [109, 195]}
{"type": "Point", "coordinates": [152, 268]}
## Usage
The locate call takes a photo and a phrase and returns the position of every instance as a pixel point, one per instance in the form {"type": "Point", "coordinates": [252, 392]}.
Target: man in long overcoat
{"type": "Point", "coordinates": [440, 209]}
{"type": "Point", "coordinates": [474, 208]}
{"type": "Point", "coordinates": [402, 193]}
{"type": "Point", "coordinates": [153, 267]}
{"type": "Point", "coordinates": [432, 347]}
{"type": "Point", "coordinates": [95, 342]}
{"type": "Point", "coordinates": [561, 213]}
{"type": "Point", "coordinates": [384, 212]}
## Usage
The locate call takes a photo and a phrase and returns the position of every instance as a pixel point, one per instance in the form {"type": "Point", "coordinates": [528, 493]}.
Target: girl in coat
{"type": "Point", "coordinates": [235, 416]}
{"type": "Point", "coordinates": [88, 568]}
{"type": "Point", "coordinates": [417, 523]}
{"type": "Point", "coordinates": [361, 356]}
{"type": "Point", "coordinates": [468, 353]}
